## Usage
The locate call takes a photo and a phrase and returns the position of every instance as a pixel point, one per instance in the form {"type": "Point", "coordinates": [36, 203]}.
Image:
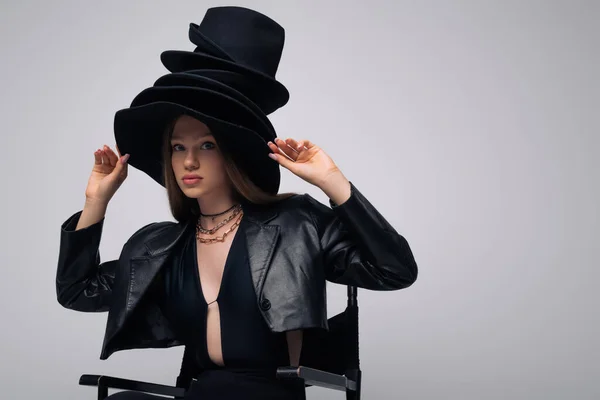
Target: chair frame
{"type": "Point", "coordinates": [348, 382]}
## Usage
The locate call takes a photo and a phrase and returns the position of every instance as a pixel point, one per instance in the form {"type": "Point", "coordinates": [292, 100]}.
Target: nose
{"type": "Point", "coordinates": [191, 161]}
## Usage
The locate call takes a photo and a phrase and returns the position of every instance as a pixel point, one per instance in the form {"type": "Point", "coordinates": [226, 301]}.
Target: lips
{"type": "Point", "coordinates": [192, 176]}
{"type": "Point", "coordinates": [191, 179]}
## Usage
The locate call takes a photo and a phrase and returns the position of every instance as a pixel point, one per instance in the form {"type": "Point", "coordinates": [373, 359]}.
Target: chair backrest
{"type": "Point", "coordinates": [335, 350]}
{"type": "Point", "coordinates": [188, 369]}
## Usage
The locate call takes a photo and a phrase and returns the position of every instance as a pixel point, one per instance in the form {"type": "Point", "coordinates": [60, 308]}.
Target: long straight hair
{"type": "Point", "coordinates": [185, 209]}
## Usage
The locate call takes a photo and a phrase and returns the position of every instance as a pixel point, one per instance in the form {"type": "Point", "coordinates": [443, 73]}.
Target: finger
{"type": "Point", "coordinates": [123, 160]}
{"type": "Point", "coordinates": [274, 147]}
{"type": "Point", "coordinates": [285, 149]}
{"type": "Point", "coordinates": [97, 157]}
{"type": "Point", "coordinates": [120, 170]}
{"type": "Point", "coordinates": [276, 150]}
{"type": "Point", "coordinates": [297, 146]}
{"type": "Point", "coordinates": [104, 158]}
{"type": "Point", "coordinates": [112, 157]}
{"type": "Point", "coordinates": [307, 143]}
{"type": "Point", "coordinates": [282, 160]}
{"type": "Point", "coordinates": [118, 151]}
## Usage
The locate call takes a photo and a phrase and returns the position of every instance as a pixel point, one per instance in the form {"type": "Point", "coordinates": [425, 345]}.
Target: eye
{"type": "Point", "coordinates": [174, 147]}
{"type": "Point", "coordinates": [211, 145]}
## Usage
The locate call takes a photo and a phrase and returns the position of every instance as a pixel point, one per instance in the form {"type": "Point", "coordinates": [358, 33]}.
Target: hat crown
{"type": "Point", "coordinates": [244, 35]}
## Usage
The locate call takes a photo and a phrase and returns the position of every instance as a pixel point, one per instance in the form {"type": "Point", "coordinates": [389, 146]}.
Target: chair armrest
{"type": "Point", "coordinates": [317, 377]}
{"type": "Point", "coordinates": [128, 384]}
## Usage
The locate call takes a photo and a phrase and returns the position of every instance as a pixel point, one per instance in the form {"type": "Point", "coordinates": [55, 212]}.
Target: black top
{"type": "Point", "coordinates": [246, 340]}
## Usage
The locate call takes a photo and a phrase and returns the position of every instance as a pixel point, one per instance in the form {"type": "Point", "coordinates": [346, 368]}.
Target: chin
{"type": "Point", "coordinates": [193, 192]}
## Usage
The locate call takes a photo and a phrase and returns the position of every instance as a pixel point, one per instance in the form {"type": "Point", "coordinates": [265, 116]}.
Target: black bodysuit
{"type": "Point", "coordinates": [246, 341]}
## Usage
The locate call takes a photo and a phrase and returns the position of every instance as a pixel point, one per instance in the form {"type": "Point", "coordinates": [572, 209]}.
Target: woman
{"type": "Point", "coordinates": [241, 274]}
{"type": "Point", "coordinates": [353, 244]}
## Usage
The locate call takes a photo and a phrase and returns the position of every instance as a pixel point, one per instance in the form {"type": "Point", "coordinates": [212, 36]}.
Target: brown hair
{"type": "Point", "coordinates": [184, 208]}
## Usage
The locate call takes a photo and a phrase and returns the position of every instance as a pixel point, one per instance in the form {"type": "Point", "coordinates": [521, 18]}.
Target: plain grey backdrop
{"type": "Point", "coordinates": [471, 125]}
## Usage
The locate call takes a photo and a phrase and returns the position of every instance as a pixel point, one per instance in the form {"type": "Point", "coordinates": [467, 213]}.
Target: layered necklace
{"type": "Point", "coordinates": [237, 212]}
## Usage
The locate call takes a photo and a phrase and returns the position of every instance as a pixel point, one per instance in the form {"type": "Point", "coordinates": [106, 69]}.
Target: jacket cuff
{"type": "Point", "coordinates": [68, 228]}
{"type": "Point", "coordinates": [358, 210]}
{"type": "Point", "coordinates": [352, 198]}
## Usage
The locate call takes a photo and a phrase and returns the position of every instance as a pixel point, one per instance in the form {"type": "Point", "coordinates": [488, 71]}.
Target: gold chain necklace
{"type": "Point", "coordinates": [211, 231]}
{"type": "Point", "coordinates": [222, 237]}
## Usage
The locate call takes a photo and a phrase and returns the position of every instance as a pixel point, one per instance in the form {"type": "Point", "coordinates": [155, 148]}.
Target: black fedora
{"type": "Point", "coordinates": [197, 78]}
{"type": "Point", "coordinates": [140, 129]}
{"type": "Point", "coordinates": [240, 40]}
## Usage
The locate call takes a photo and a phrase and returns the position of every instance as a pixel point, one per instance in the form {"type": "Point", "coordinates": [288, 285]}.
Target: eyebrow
{"type": "Point", "coordinates": [177, 137]}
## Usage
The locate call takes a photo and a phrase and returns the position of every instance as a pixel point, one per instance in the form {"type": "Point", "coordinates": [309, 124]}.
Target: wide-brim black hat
{"type": "Point", "coordinates": [197, 78]}
{"type": "Point", "coordinates": [140, 129]}
{"type": "Point", "coordinates": [235, 80]}
{"type": "Point", "coordinates": [236, 39]}
{"type": "Point", "coordinates": [210, 102]}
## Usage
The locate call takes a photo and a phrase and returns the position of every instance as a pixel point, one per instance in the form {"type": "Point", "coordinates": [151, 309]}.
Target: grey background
{"type": "Point", "coordinates": [471, 125]}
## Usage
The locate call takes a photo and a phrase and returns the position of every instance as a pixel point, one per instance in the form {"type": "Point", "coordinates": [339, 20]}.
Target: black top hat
{"type": "Point", "coordinates": [240, 40]}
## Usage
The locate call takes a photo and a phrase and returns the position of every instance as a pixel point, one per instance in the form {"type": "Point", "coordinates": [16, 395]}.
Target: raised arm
{"type": "Point", "coordinates": [360, 247]}
{"type": "Point", "coordinates": [83, 282]}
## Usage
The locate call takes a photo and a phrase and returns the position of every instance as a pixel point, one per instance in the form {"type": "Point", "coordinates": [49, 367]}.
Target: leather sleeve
{"type": "Point", "coordinates": [83, 282]}
{"type": "Point", "coordinates": [360, 248]}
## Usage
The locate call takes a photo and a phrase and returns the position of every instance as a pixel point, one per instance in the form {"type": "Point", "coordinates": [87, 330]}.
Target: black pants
{"type": "Point", "coordinates": [226, 385]}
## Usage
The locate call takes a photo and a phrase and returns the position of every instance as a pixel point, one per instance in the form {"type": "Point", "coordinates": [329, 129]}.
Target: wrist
{"type": "Point", "coordinates": [95, 204]}
{"type": "Point", "coordinates": [337, 187]}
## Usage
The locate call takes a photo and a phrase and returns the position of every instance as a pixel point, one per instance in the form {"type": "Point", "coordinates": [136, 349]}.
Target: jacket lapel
{"type": "Point", "coordinates": [261, 239]}
{"type": "Point", "coordinates": [143, 268]}
{"type": "Point", "coordinates": [158, 249]}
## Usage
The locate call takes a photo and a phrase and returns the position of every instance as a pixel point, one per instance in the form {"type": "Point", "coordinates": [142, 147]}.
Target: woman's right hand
{"type": "Point", "coordinates": [108, 174]}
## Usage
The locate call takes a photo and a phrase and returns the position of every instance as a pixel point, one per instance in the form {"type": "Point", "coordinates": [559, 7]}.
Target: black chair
{"type": "Point", "coordinates": [329, 359]}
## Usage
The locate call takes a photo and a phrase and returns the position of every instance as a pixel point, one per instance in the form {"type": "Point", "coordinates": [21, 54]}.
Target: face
{"type": "Point", "coordinates": [197, 163]}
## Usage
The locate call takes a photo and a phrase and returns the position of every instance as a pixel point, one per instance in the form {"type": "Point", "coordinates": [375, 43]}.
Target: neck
{"type": "Point", "coordinates": [215, 203]}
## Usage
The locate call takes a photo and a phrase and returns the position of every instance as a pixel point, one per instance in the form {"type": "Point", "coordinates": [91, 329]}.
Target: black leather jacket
{"type": "Point", "coordinates": [294, 247]}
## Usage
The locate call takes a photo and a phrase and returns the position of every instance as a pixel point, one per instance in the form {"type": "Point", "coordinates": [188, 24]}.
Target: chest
{"type": "Point", "coordinates": [211, 260]}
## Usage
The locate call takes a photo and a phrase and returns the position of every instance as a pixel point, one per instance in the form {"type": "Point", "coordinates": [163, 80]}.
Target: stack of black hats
{"type": "Point", "coordinates": [227, 82]}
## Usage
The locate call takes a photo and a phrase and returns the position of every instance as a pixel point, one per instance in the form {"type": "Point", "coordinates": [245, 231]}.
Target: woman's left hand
{"type": "Point", "coordinates": [304, 159]}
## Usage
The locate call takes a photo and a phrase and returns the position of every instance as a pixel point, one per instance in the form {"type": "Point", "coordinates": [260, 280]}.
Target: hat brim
{"type": "Point", "coordinates": [250, 88]}
{"type": "Point", "coordinates": [275, 94]}
{"type": "Point", "coordinates": [139, 131]}
{"type": "Point", "coordinates": [198, 80]}
{"type": "Point", "coordinates": [209, 102]}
